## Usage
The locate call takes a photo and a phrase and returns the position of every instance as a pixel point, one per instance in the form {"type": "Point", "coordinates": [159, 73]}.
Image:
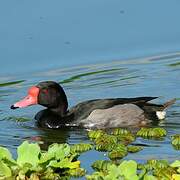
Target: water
{"type": "Point", "coordinates": [95, 49]}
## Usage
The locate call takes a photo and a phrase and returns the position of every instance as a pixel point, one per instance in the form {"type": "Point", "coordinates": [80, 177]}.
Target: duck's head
{"type": "Point", "coordinates": [49, 94]}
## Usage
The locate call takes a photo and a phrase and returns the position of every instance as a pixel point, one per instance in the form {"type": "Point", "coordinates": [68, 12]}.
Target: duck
{"type": "Point", "coordinates": [90, 114]}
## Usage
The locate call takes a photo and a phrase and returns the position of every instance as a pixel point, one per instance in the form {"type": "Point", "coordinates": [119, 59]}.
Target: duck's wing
{"type": "Point", "coordinates": [152, 110]}
{"type": "Point", "coordinates": [83, 109]}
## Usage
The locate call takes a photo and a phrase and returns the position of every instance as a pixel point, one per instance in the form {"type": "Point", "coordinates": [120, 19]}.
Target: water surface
{"type": "Point", "coordinates": [94, 49]}
{"type": "Point", "coordinates": [152, 76]}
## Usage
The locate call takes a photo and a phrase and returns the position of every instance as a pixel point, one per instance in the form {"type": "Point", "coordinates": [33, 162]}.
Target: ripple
{"type": "Point", "coordinates": [79, 76]}
{"type": "Point", "coordinates": [11, 83]}
{"type": "Point", "coordinates": [152, 76]}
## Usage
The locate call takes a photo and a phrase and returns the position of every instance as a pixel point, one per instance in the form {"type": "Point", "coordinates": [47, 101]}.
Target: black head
{"type": "Point", "coordinates": [49, 94]}
{"type": "Point", "coordinates": [52, 96]}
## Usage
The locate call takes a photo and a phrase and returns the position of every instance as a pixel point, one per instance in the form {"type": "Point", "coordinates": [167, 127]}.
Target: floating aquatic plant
{"type": "Point", "coordinates": [106, 138]}
{"type": "Point", "coordinates": [32, 163]}
{"type": "Point", "coordinates": [126, 139]}
{"type": "Point", "coordinates": [79, 148]}
{"type": "Point", "coordinates": [131, 170]}
{"type": "Point", "coordinates": [101, 165]}
{"type": "Point", "coordinates": [104, 147]}
{"type": "Point", "coordinates": [176, 165]}
{"type": "Point", "coordinates": [120, 131]}
{"type": "Point", "coordinates": [94, 134]}
{"type": "Point", "coordinates": [134, 149]}
{"type": "Point", "coordinates": [78, 172]}
{"type": "Point", "coordinates": [158, 164]}
{"type": "Point", "coordinates": [118, 152]}
{"type": "Point", "coordinates": [126, 170]}
{"type": "Point", "coordinates": [161, 169]}
{"type": "Point", "coordinates": [175, 141]}
{"type": "Point", "coordinates": [164, 173]}
{"type": "Point", "coordinates": [60, 161]}
{"type": "Point", "coordinates": [105, 142]}
{"type": "Point", "coordinates": [151, 132]}
{"type": "Point", "coordinates": [123, 135]}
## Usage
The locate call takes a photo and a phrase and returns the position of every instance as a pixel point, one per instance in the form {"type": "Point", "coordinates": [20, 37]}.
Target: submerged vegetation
{"type": "Point", "coordinates": [60, 161]}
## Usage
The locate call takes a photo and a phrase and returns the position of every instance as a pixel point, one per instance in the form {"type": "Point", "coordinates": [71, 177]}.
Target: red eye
{"type": "Point", "coordinates": [45, 91]}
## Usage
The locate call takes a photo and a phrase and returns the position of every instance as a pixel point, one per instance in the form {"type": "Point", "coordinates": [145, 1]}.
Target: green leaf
{"type": "Point", "coordinates": [176, 163]}
{"type": "Point", "coordinates": [128, 169]}
{"type": "Point", "coordinates": [96, 176]}
{"type": "Point", "coordinates": [82, 147]}
{"type": "Point", "coordinates": [113, 172]}
{"type": "Point", "coordinates": [94, 134]}
{"type": "Point", "coordinates": [134, 149]}
{"type": "Point", "coordinates": [101, 165]}
{"type": "Point", "coordinates": [175, 141]}
{"type": "Point", "coordinates": [28, 153]}
{"type": "Point", "coordinates": [5, 153]}
{"type": "Point", "coordinates": [118, 152]}
{"type": "Point", "coordinates": [6, 156]}
{"type": "Point", "coordinates": [45, 157]}
{"type": "Point", "coordinates": [34, 176]}
{"type": "Point", "coordinates": [65, 163]}
{"type": "Point", "coordinates": [5, 171]}
{"type": "Point", "coordinates": [59, 151]}
{"type": "Point", "coordinates": [175, 176]}
{"type": "Point", "coordinates": [151, 132]}
{"type": "Point", "coordinates": [178, 170]}
{"type": "Point", "coordinates": [120, 131]}
{"type": "Point", "coordinates": [25, 168]}
{"type": "Point", "coordinates": [77, 172]}
{"type": "Point", "coordinates": [50, 174]}
{"type": "Point", "coordinates": [149, 177]}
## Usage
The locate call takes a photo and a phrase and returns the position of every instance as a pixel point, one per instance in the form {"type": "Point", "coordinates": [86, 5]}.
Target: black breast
{"type": "Point", "coordinates": [49, 119]}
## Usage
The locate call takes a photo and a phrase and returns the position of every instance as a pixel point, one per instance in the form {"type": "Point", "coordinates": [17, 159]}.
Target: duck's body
{"type": "Point", "coordinates": [98, 113]}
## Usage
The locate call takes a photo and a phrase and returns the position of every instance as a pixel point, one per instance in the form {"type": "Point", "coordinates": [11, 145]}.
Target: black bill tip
{"type": "Point", "coordinates": [14, 107]}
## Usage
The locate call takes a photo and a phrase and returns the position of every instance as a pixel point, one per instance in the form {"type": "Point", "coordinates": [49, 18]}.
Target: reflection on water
{"type": "Point", "coordinates": [152, 76]}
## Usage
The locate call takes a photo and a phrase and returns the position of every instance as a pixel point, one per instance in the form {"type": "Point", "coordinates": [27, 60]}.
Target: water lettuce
{"type": "Point", "coordinates": [128, 170]}
{"type": "Point", "coordinates": [60, 161]}
{"type": "Point", "coordinates": [175, 141]}
{"type": "Point", "coordinates": [32, 163]}
{"type": "Point", "coordinates": [151, 133]}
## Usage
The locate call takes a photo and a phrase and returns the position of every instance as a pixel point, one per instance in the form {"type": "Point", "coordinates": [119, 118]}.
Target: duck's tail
{"type": "Point", "coordinates": [168, 103]}
{"type": "Point", "coordinates": [162, 112]}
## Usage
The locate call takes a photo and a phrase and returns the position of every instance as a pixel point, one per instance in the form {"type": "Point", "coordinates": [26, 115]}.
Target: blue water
{"type": "Point", "coordinates": [41, 34]}
{"type": "Point", "coordinates": [132, 48]}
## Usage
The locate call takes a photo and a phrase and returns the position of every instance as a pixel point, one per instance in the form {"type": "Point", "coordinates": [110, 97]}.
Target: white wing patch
{"type": "Point", "coordinates": [161, 114]}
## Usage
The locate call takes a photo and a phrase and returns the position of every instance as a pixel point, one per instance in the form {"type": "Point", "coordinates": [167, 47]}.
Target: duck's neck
{"type": "Point", "coordinates": [61, 109]}
{"type": "Point", "coordinates": [59, 104]}
{"type": "Point", "coordinates": [57, 111]}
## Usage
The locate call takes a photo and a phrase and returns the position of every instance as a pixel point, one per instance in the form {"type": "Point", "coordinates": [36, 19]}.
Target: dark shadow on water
{"type": "Point", "coordinates": [50, 136]}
